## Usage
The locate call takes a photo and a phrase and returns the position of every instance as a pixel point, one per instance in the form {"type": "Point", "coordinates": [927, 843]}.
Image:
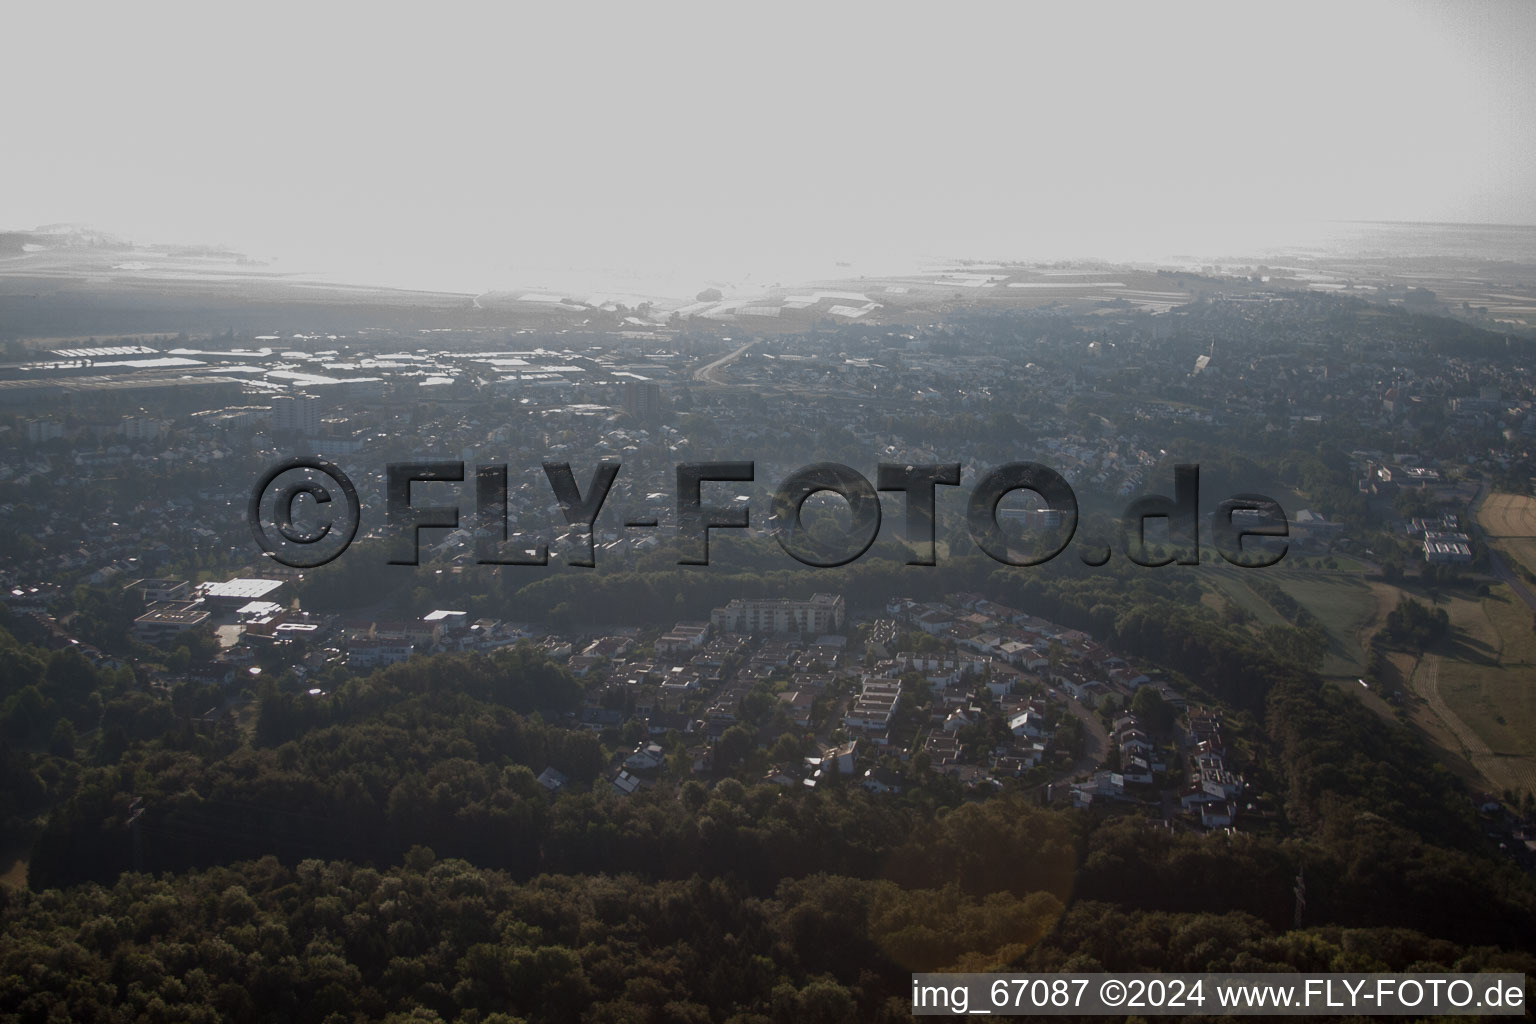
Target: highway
{"type": "Point", "coordinates": [710, 374]}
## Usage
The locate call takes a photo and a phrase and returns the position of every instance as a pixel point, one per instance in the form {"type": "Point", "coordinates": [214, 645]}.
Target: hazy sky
{"type": "Point", "coordinates": [449, 142]}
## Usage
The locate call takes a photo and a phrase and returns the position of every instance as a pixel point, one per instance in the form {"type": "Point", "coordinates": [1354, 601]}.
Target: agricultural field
{"type": "Point", "coordinates": [1474, 695]}
{"type": "Point", "coordinates": [1509, 523]}
{"type": "Point", "coordinates": [1484, 685]}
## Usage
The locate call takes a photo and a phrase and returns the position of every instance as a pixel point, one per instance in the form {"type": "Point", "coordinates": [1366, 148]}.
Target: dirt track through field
{"type": "Point", "coordinates": [1502, 771]}
{"type": "Point", "coordinates": [1508, 515]}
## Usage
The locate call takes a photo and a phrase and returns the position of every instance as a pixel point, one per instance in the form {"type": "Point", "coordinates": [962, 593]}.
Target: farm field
{"type": "Point", "coordinates": [1509, 523]}
{"type": "Point", "coordinates": [1487, 684]}
{"type": "Point", "coordinates": [1474, 695]}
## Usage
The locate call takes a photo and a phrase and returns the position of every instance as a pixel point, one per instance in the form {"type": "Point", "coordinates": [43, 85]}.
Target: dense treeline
{"type": "Point", "coordinates": [1412, 624]}
{"type": "Point", "coordinates": [459, 775]}
{"type": "Point", "coordinates": [439, 940]}
{"type": "Point", "coordinates": [49, 699]}
{"type": "Point", "coordinates": [1386, 837]}
{"type": "Point", "coordinates": [827, 896]}
{"type": "Point", "coordinates": [389, 760]}
{"type": "Point", "coordinates": [1156, 616]}
{"type": "Point", "coordinates": [39, 689]}
{"type": "Point", "coordinates": [1385, 834]}
{"type": "Point", "coordinates": [1399, 833]}
{"type": "Point", "coordinates": [1095, 936]}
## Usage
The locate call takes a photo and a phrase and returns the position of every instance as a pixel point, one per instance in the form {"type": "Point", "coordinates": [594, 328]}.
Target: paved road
{"type": "Point", "coordinates": [1504, 573]}
{"type": "Point", "coordinates": [711, 374]}
{"type": "Point", "coordinates": [1095, 744]}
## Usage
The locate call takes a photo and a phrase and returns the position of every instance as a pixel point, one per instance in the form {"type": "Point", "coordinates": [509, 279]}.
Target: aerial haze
{"type": "Point", "coordinates": [665, 148]}
{"type": "Point", "coordinates": [753, 513]}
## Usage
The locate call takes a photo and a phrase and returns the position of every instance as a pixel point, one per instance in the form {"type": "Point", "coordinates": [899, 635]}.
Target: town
{"type": "Point", "coordinates": [609, 514]}
{"type": "Point", "coordinates": [161, 436]}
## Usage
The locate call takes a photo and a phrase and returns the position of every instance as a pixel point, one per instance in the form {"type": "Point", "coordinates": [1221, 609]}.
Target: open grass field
{"type": "Point", "coordinates": [1349, 607]}
{"type": "Point", "coordinates": [1508, 515]}
{"type": "Point", "coordinates": [1485, 682]}
{"type": "Point", "coordinates": [1229, 586]}
{"type": "Point", "coordinates": [1473, 695]}
{"type": "Point", "coordinates": [1509, 523]}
